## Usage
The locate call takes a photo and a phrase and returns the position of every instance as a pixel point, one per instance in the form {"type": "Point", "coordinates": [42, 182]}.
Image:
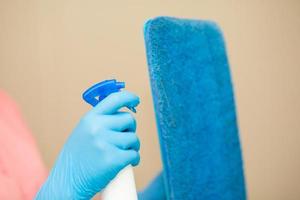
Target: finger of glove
{"type": "Point", "coordinates": [129, 157]}
{"type": "Point", "coordinates": [115, 101]}
{"type": "Point", "coordinates": [124, 140]}
{"type": "Point", "coordinates": [122, 121]}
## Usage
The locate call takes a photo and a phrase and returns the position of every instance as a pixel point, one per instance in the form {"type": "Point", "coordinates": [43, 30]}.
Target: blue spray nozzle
{"type": "Point", "coordinates": [99, 91]}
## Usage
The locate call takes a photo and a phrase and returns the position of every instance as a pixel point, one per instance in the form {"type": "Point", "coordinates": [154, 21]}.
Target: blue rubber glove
{"type": "Point", "coordinates": [155, 190]}
{"type": "Point", "coordinates": [102, 144]}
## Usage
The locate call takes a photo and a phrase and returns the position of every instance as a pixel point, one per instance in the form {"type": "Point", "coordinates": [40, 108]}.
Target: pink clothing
{"type": "Point", "coordinates": [21, 169]}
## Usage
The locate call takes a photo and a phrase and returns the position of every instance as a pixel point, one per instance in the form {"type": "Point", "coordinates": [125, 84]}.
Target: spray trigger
{"type": "Point", "coordinates": [133, 109]}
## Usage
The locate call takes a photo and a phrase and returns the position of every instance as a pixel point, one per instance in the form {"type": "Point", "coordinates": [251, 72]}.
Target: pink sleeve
{"type": "Point", "coordinates": [21, 168]}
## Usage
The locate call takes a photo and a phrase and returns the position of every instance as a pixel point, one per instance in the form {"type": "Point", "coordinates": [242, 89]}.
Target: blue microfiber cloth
{"type": "Point", "coordinates": [195, 110]}
{"type": "Point", "coordinates": [155, 190]}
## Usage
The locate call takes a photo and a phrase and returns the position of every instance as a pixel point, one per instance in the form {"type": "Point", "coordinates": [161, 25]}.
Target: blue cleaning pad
{"type": "Point", "coordinates": [195, 110]}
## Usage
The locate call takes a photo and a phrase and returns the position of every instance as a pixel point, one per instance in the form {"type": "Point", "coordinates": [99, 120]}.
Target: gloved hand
{"type": "Point", "coordinates": [102, 144]}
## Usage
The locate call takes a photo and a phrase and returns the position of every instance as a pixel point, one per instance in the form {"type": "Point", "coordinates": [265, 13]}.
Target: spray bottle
{"type": "Point", "coordinates": [122, 187]}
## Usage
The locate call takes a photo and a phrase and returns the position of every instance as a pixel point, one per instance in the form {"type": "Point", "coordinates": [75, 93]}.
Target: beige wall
{"type": "Point", "coordinates": [51, 50]}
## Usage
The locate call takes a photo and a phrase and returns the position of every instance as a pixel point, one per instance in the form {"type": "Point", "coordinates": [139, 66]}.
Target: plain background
{"type": "Point", "coordinates": [52, 50]}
